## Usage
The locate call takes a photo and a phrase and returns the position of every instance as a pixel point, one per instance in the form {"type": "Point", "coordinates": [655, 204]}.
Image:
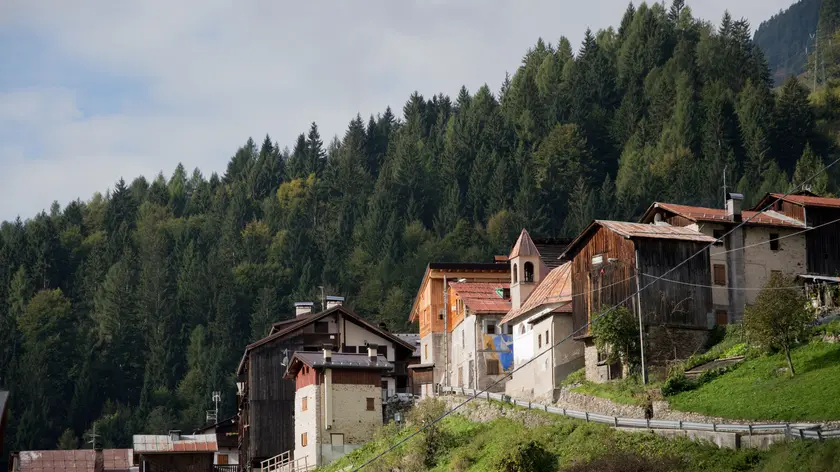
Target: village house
{"type": "Point", "coordinates": [540, 316]}
{"type": "Point", "coordinates": [82, 460]}
{"type": "Point", "coordinates": [266, 398]}
{"type": "Point", "coordinates": [226, 457]}
{"type": "Point", "coordinates": [431, 311]}
{"type": "Point", "coordinates": [175, 451]}
{"type": "Point", "coordinates": [612, 260]}
{"type": "Point", "coordinates": [743, 261]}
{"type": "Point", "coordinates": [338, 407]}
{"type": "Point", "coordinates": [481, 351]}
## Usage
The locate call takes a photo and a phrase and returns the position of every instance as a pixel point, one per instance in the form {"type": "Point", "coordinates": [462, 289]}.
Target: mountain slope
{"type": "Point", "coordinates": [785, 37]}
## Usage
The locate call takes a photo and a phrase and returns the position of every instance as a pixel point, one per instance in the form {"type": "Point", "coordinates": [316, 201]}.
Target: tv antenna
{"type": "Point", "coordinates": [213, 415]}
{"type": "Point", "coordinates": [93, 436]}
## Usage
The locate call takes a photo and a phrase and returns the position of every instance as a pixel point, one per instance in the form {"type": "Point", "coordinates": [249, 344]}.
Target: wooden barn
{"type": "Point", "coordinates": [611, 260]}
{"type": "Point", "coordinates": [266, 399]}
{"type": "Point", "coordinates": [822, 244]}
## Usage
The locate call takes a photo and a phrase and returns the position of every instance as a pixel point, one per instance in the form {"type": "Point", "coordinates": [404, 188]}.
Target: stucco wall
{"type": "Point", "coordinates": [462, 354]}
{"type": "Point", "coordinates": [307, 422]}
{"type": "Point", "coordinates": [568, 355]}
{"type": "Point", "coordinates": [433, 345]}
{"type": "Point", "coordinates": [760, 260]}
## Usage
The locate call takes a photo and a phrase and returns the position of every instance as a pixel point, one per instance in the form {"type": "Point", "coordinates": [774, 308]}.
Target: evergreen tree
{"type": "Point", "coordinates": [809, 174]}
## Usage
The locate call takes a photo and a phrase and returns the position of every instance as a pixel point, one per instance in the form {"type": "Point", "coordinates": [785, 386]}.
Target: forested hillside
{"type": "Point", "coordinates": [131, 307]}
{"type": "Point", "coordinates": [785, 37]}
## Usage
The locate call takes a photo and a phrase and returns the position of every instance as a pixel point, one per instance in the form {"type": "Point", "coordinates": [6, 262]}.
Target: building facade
{"type": "Point", "coordinates": [612, 260]}
{"type": "Point", "coordinates": [745, 258]}
{"type": "Point", "coordinates": [338, 406]}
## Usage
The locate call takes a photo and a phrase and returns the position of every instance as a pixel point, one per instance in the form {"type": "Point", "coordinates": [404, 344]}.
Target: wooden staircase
{"type": "Point", "coordinates": [284, 463]}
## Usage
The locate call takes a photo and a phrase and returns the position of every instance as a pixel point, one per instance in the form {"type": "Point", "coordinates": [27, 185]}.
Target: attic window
{"type": "Point", "coordinates": [774, 241]}
{"type": "Point", "coordinates": [598, 260]}
{"type": "Point", "coordinates": [529, 272]}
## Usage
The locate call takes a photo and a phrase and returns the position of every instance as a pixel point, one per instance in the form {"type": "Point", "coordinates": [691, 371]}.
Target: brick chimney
{"type": "Point", "coordinates": [303, 308]}
{"type": "Point", "coordinates": [733, 206]}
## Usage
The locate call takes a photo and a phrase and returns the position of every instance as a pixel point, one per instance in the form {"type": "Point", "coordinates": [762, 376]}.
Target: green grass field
{"type": "Point", "coordinates": [571, 445]}
{"type": "Point", "coordinates": [759, 390]}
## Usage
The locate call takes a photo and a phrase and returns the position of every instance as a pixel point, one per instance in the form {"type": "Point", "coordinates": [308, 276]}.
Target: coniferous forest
{"type": "Point", "coordinates": [129, 308]}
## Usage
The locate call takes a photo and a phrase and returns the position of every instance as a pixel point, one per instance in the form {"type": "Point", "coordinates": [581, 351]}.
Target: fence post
{"type": "Point", "coordinates": [615, 420]}
{"type": "Point", "coordinates": [529, 405]}
{"type": "Point", "coordinates": [801, 433]}
{"type": "Point", "coordinates": [819, 435]}
{"type": "Point", "coordinates": [586, 414]}
{"type": "Point", "coordinates": [714, 427]}
{"type": "Point", "coordinates": [680, 425]}
{"type": "Point", "coordinates": [564, 412]}
{"type": "Point", "coordinates": [488, 395]}
{"type": "Point", "coordinates": [648, 423]}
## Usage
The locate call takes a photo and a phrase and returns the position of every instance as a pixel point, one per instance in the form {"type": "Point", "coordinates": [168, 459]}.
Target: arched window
{"type": "Point", "coordinates": [515, 274]}
{"type": "Point", "coordinates": [529, 272]}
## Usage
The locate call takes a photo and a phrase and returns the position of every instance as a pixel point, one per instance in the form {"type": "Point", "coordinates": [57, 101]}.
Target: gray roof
{"type": "Point", "coordinates": [412, 338]}
{"type": "Point", "coordinates": [341, 360]}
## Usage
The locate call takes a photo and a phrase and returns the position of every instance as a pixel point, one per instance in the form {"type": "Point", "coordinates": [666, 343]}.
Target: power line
{"type": "Point", "coordinates": [777, 239]}
{"type": "Point", "coordinates": [587, 324]}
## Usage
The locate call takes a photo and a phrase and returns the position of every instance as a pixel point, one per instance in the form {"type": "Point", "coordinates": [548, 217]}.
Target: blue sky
{"type": "Point", "coordinates": [95, 90]}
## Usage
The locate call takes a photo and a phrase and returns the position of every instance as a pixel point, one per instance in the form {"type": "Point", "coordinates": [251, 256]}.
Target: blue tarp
{"type": "Point", "coordinates": [504, 346]}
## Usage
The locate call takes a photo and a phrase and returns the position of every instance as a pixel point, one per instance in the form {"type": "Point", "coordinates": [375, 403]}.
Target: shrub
{"type": "Point", "coordinates": [432, 440]}
{"type": "Point", "coordinates": [675, 384]}
{"type": "Point", "coordinates": [526, 457]}
{"type": "Point", "coordinates": [739, 349]}
{"type": "Point", "coordinates": [626, 462]}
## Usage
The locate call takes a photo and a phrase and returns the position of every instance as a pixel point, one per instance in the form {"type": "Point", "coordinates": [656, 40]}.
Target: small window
{"type": "Point", "coordinates": [222, 459]}
{"type": "Point", "coordinates": [371, 405]}
{"type": "Point", "coordinates": [529, 272]}
{"type": "Point", "coordinates": [602, 357]}
{"type": "Point", "coordinates": [721, 318]}
{"type": "Point", "coordinates": [491, 328]}
{"type": "Point", "coordinates": [720, 274]}
{"type": "Point", "coordinates": [440, 315]}
{"type": "Point", "coordinates": [493, 367]}
{"type": "Point", "coordinates": [774, 241]}
{"type": "Point", "coordinates": [322, 327]}
{"type": "Point", "coordinates": [719, 234]}
{"type": "Point", "coordinates": [304, 403]}
{"type": "Point", "coordinates": [510, 330]}
{"type": "Point", "coordinates": [539, 340]}
{"type": "Point", "coordinates": [546, 338]}
{"type": "Point", "coordinates": [382, 351]}
{"type": "Point", "coordinates": [426, 351]}
{"type": "Point", "coordinates": [304, 440]}
{"type": "Point", "coordinates": [348, 349]}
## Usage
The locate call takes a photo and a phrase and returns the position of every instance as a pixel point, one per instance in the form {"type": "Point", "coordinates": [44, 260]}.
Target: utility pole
{"type": "Point", "coordinates": [323, 298]}
{"type": "Point", "coordinates": [213, 415]}
{"type": "Point", "coordinates": [93, 436]}
{"type": "Point", "coordinates": [816, 39]}
{"type": "Point", "coordinates": [641, 325]}
{"type": "Point", "coordinates": [724, 184]}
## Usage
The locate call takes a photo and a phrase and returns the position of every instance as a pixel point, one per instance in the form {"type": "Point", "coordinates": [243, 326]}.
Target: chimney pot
{"type": "Point", "coordinates": [733, 206]}
{"type": "Point", "coordinates": [327, 355]}
{"type": "Point", "coordinates": [372, 354]}
{"type": "Point", "coordinates": [303, 308]}
{"type": "Point", "coordinates": [334, 301]}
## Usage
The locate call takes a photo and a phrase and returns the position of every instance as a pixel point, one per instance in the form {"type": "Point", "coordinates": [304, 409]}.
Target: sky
{"type": "Point", "coordinates": [95, 90]}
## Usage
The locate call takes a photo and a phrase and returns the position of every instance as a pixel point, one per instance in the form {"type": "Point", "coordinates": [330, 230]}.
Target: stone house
{"type": "Point", "coordinates": [481, 350]}
{"type": "Point", "coordinates": [611, 260]}
{"type": "Point", "coordinates": [744, 260]}
{"type": "Point", "coordinates": [338, 406]}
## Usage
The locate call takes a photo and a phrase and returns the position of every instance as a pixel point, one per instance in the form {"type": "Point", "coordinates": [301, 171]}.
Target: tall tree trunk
{"type": "Point", "coordinates": [789, 361]}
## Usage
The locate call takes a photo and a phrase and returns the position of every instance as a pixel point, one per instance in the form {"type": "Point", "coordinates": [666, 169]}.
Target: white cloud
{"type": "Point", "coordinates": [206, 74]}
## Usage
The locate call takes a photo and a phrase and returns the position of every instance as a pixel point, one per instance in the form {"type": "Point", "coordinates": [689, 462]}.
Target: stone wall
{"type": "Point", "coordinates": [664, 344]}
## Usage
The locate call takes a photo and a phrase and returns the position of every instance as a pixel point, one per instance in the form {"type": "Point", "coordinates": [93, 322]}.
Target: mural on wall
{"type": "Point", "coordinates": [499, 346]}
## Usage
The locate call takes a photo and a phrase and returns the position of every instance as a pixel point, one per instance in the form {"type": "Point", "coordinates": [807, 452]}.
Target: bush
{"type": "Point", "coordinates": [432, 441]}
{"type": "Point", "coordinates": [526, 457]}
{"type": "Point", "coordinates": [739, 349]}
{"type": "Point", "coordinates": [676, 384]}
{"type": "Point", "coordinates": [626, 462]}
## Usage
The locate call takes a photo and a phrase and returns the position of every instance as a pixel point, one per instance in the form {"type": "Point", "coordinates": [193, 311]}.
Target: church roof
{"type": "Point", "coordinates": [524, 246]}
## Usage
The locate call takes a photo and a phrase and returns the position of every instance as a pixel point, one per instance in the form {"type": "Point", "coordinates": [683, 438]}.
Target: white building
{"type": "Point", "coordinates": [540, 316]}
{"type": "Point", "coordinates": [338, 405]}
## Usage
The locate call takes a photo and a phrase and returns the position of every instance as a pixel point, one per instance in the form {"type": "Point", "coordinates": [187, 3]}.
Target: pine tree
{"type": "Point", "coordinates": [810, 174]}
{"type": "Point", "coordinates": [794, 123]}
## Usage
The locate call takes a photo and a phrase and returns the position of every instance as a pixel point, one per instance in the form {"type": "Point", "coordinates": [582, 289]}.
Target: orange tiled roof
{"type": "Point", "coordinates": [809, 200]}
{"type": "Point", "coordinates": [524, 246]}
{"type": "Point", "coordinates": [83, 460]}
{"type": "Point", "coordinates": [702, 214]}
{"type": "Point", "coordinates": [481, 297]}
{"type": "Point", "coordinates": [555, 288]}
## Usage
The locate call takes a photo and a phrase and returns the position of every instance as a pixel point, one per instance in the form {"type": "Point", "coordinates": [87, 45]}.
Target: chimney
{"type": "Point", "coordinates": [372, 354]}
{"type": "Point", "coordinates": [303, 308]}
{"type": "Point", "coordinates": [333, 301]}
{"type": "Point", "coordinates": [175, 435]}
{"type": "Point", "coordinates": [327, 355]}
{"type": "Point", "coordinates": [733, 206]}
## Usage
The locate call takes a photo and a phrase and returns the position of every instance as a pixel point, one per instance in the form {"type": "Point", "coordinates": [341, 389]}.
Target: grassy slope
{"type": "Point", "coordinates": [564, 443]}
{"type": "Point", "coordinates": [756, 390]}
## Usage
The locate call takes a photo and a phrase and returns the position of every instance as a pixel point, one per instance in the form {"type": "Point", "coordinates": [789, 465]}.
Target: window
{"type": "Point", "coordinates": [547, 342]}
{"type": "Point", "coordinates": [426, 351]}
{"type": "Point", "coordinates": [222, 459]}
{"type": "Point", "coordinates": [304, 440]}
{"type": "Point", "coordinates": [493, 367]}
{"type": "Point", "coordinates": [371, 404]}
{"type": "Point", "coordinates": [348, 349]}
{"type": "Point", "coordinates": [382, 351]}
{"type": "Point", "coordinates": [721, 317]}
{"type": "Point", "coordinates": [510, 330]}
{"type": "Point", "coordinates": [529, 272]}
{"type": "Point", "coordinates": [491, 328]}
{"type": "Point", "coordinates": [539, 340]}
{"type": "Point", "coordinates": [440, 315]}
{"type": "Point", "coordinates": [322, 327]}
{"type": "Point", "coordinates": [718, 234]}
{"type": "Point", "coordinates": [304, 403]}
{"type": "Point", "coordinates": [720, 274]}
{"type": "Point", "coordinates": [515, 273]}
{"type": "Point", "coordinates": [602, 357]}
{"type": "Point", "coordinates": [774, 241]}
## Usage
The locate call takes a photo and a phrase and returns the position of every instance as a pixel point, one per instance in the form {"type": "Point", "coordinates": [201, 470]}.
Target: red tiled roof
{"type": "Point", "coordinates": [83, 460]}
{"type": "Point", "coordinates": [808, 200]}
{"type": "Point", "coordinates": [524, 246]}
{"type": "Point", "coordinates": [146, 443]}
{"type": "Point", "coordinates": [701, 214]}
{"type": "Point", "coordinates": [481, 297]}
{"type": "Point", "coordinates": [555, 288]}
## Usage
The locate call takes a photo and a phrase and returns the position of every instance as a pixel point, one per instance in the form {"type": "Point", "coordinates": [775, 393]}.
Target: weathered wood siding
{"type": "Point", "coordinates": [597, 286]}
{"type": "Point", "coordinates": [271, 403]}
{"type": "Point", "coordinates": [823, 244]}
{"type": "Point", "coordinates": [788, 209]}
{"type": "Point", "coordinates": [666, 302]}
{"type": "Point", "coordinates": [355, 377]}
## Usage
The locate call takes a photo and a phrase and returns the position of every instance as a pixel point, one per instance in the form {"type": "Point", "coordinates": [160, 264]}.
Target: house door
{"type": "Point", "coordinates": [721, 317]}
{"type": "Point", "coordinates": [472, 373]}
